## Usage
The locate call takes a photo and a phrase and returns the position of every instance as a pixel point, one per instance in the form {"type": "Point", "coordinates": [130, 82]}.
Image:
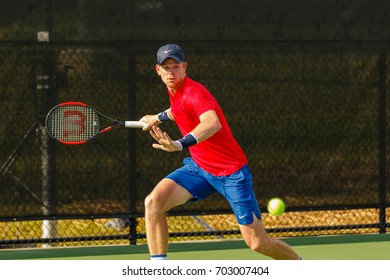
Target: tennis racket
{"type": "Point", "coordinates": [74, 123]}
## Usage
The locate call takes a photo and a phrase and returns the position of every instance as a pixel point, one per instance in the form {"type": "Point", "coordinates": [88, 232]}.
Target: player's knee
{"type": "Point", "coordinates": [152, 203]}
{"type": "Point", "coordinates": [149, 202]}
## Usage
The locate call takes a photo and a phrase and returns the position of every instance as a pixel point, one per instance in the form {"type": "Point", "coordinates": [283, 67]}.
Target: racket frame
{"type": "Point", "coordinates": [116, 123]}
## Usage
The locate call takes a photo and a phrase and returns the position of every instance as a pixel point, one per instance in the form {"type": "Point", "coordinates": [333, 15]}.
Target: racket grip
{"type": "Point", "coordinates": [134, 124]}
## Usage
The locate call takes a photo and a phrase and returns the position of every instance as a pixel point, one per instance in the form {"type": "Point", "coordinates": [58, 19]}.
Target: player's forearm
{"type": "Point", "coordinates": [206, 129]}
{"type": "Point", "coordinates": [208, 126]}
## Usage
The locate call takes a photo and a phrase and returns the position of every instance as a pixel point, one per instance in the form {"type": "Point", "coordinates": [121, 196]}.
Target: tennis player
{"type": "Point", "coordinates": [217, 162]}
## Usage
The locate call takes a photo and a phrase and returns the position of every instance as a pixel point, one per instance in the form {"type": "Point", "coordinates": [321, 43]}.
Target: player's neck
{"type": "Point", "coordinates": [172, 91]}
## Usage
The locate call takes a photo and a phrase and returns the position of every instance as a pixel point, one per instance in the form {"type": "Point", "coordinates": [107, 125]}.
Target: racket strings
{"type": "Point", "coordinates": [73, 123]}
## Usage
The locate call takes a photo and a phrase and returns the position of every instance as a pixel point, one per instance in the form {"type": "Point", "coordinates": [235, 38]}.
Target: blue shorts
{"type": "Point", "coordinates": [236, 188]}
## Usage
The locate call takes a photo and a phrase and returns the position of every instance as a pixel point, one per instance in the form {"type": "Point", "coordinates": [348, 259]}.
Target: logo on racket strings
{"type": "Point", "coordinates": [74, 123]}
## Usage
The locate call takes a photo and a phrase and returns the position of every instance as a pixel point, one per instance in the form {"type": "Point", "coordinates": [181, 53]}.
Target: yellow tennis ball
{"type": "Point", "coordinates": [276, 206]}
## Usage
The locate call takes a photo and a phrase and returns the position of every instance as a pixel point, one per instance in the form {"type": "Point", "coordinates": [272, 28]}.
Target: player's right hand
{"type": "Point", "coordinates": [150, 121]}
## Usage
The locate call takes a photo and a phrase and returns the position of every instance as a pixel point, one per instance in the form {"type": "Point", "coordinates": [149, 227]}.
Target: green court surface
{"type": "Point", "coordinates": [343, 247]}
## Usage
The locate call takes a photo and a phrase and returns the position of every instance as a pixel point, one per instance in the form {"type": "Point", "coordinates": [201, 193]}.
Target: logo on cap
{"type": "Point", "coordinates": [170, 51]}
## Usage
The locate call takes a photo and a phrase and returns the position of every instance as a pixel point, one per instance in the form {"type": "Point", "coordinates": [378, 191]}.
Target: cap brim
{"type": "Point", "coordinates": [179, 60]}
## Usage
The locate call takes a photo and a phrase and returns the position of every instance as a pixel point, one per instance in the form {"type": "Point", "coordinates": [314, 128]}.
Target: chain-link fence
{"type": "Point", "coordinates": [312, 117]}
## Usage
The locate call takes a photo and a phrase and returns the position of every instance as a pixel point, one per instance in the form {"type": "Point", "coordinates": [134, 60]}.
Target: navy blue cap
{"type": "Point", "coordinates": [170, 51]}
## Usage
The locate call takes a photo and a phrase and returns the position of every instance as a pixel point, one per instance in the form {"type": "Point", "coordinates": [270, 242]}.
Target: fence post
{"type": "Point", "coordinates": [132, 109]}
{"type": "Point", "coordinates": [45, 86]}
{"type": "Point", "coordinates": [382, 139]}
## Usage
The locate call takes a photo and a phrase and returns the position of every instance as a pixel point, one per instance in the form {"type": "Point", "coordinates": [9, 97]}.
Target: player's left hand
{"type": "Point", "coordinates": [164, 142]}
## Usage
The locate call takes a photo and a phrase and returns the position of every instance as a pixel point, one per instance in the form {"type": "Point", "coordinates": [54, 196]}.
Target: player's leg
{"type": "Point", "coordinates": [237, 188]}
{"type": "Point", "coordinates": [184, 184]}
{"type": "Point", "coordinates": [166, 195]}
{"type": "Point", "coordinates": [258, 240]}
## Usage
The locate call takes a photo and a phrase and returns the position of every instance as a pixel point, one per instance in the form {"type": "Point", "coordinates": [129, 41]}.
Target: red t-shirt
{"type": "Point", "coordinates": [220, 154]}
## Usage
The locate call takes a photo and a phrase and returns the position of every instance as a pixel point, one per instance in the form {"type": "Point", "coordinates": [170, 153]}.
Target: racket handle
{"type": "Point", "coordinates": [134, 124]}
